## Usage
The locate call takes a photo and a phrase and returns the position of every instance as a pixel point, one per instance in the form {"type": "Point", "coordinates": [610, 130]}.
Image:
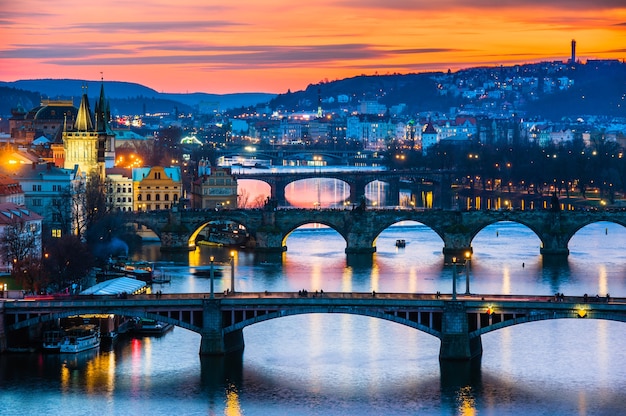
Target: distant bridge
{"type": "Point", "coordinates": [277, 156]}
{"type": "Point", "coordinates": [439, 183]}
{"type": "Point", "coordinates": [269, 229]}
{"type": "Point", "coordinates": [458, 321]}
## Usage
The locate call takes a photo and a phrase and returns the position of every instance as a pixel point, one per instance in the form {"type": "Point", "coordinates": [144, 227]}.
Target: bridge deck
{"type": "Point", "coordinates": [290, 297]}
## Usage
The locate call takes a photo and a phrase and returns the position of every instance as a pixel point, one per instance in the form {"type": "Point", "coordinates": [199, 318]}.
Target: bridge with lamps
{"type": "Point", "coordinates": [458, 320]}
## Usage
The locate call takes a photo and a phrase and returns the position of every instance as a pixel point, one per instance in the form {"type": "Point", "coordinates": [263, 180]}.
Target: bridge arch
{"type": "Point", "coordinates": [544, 316]}
{"type": "Point", "coordinates": [287, 232]}
{"type": "Point", "coordinates": [193, 238]}
{"type": "Point", "coordinates": [51, 317]}
{"type": "Point", "coordinates": [387, 226]}
{"type": "Point", "coordinates": [332, 310]}
{"type": "Point", "coordinates": [317, 191]}
{"type": "Point", "coordinates": [574, 230]}
{"type": "Point", "coordinates": [486, 224]}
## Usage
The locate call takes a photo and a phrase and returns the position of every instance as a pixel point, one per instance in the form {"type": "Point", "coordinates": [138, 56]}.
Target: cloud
{"type": "Point", "coordinates": [237, 56]}
{"type": "Point", "coordinates": [198, 53]}
{"type": "Point", "coordinates": [425, 50]}
{"type": "Point", "coordinates": [59, 51]}
{"type": "Point", "coordinates": [154, 27]}
{"type": "Point", "coordinates": [446, 5]}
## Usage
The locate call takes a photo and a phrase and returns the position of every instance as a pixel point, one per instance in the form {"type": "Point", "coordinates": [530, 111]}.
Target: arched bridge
{"type": "Point", "coordinates": [360, 228]}
{"type": "Point", "coordinates": [458, 322]}
{"type": "Point", "coordinates": [357, 181]}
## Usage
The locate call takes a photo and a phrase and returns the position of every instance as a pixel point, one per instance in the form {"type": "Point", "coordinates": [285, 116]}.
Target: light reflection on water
{"type": "Point", "coordinates": [342, 364]}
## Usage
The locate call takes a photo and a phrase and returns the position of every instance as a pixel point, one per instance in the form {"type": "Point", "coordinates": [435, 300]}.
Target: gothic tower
{"type": "Point", "coordinates": [90, 140]}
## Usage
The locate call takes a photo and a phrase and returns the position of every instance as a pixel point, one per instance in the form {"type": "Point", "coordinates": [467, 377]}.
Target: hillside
{"type": "Point", "coordinates": [124, 97]}
{"type": "Point", "coordinates": [599, 88]}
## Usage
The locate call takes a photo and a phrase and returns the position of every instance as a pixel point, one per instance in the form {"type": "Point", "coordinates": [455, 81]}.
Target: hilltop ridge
{"type": "Point", "coordinates": [547, 89]}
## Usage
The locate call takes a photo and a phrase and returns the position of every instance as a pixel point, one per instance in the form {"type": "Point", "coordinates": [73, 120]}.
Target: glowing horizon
{"type": "Point", "coordinates": [275, 46]}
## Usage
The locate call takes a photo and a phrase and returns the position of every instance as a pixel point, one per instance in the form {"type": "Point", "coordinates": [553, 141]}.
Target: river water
{"type": "Point", "coordinates": [334, 364]}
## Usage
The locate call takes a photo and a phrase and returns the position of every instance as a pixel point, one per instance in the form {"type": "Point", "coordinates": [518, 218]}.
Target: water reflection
{"type": "Point", "coordinates": [338, 364]}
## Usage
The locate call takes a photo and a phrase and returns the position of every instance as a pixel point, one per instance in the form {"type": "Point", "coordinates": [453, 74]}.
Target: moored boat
{"type": "Point", "coordinates": [145, 326]}
{"type": "Point", "coordinates": [80, 338]}
{"type": "Point", "coordinates": [141, 270]}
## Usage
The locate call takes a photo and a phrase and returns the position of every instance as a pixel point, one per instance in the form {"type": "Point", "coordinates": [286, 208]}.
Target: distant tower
{"type": "Point", "coordinates": [573, 59]}
{"type": "Point", "coordinates": [320, 114]}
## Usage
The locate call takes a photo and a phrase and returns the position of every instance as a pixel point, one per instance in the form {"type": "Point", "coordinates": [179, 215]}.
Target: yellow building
{"type": "Point", "coordinates": [156, 188]}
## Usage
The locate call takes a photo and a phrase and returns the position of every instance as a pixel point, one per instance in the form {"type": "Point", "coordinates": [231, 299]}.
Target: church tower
{"type": "Point", "coordinates": [90, 140]}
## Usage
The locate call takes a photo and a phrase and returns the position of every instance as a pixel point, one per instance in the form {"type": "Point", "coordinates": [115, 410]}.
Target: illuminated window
{"type": "Point", "coordinates": [56, 233]}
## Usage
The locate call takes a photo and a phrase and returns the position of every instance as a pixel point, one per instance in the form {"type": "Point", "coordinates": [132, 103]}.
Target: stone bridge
{"type": "Point", "coordinates": [269, 229]}
{"type": "Point", "coordinates": [458, 322]}
{"type": "Point", "coordinates": [357, 180]}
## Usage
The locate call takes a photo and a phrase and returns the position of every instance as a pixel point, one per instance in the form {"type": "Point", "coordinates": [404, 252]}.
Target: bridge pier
{"type": "Point", "coordinates": [176, 241]}
{"type": "Point", "coordinates": [450, 253]}
{"type": "Point", "coordinates": [554, 252]}
{"type": "Point", "coordinates": [359, 243]}
{"type": "Point", "coordinates": [214, 341]}
{"type": "Point", "coordinates": [456, 343]}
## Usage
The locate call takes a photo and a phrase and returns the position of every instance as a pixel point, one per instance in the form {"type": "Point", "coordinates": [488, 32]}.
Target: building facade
{"type": "Point", "coordinates": [119, 185]}
{"type": "Point", "coordinates": [214, 188]}
{"type": "Point", "coordinates": [156, 188]}
{"type": "Point", "coordinates": [49, 191]}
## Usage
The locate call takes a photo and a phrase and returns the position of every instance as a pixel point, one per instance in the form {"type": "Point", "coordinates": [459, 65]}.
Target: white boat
{"type": "Point", "coordinates": [80, 338]}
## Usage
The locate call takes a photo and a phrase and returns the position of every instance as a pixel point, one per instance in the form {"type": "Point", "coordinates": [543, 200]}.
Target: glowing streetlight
{"type": "Point", "coordinates": [453, 278]}
{"type": "Point", "coordinates": [468, 259]}
{"type": "Point", "coordinates": [212, 276]}
{"type": "Point", "coordinates": [232, 271]}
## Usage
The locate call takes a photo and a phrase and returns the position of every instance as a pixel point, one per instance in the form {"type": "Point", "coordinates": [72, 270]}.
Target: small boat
{"type": "Point", "coordinates": [161, 279]}
{"type": "Point", "coordinates": [141, 270]}
{"type": "Point", "coordinates": [80, 338]}
{"type": "Point", "coordinates": [217, 272]}
{"type": "Point", "coordinates": [400, 243]}
{"type": "Point", "coordinates": [52, 340]}
{"type": "Point", "coordinates": [144, 326]}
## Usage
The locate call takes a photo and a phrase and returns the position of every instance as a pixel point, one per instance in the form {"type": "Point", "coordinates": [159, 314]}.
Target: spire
{"type": "Point", "coordinates": [102, 111]}
{"type": "Point", "coordinates": [83, 118]}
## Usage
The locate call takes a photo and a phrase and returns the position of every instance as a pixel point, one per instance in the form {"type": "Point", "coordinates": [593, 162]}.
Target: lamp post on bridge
{"type": "Point", "coordinates": [468, 262]}
{"type": "Point", "coordinates": [212, 276]}
{"type": "Point", "coordinates": [453, 278]}
{"type": "Point", "coordinates": [232, 271]}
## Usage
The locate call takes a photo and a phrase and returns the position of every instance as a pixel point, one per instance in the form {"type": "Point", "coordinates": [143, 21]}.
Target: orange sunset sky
{"type": "Point", "coordinates": [273, 45]}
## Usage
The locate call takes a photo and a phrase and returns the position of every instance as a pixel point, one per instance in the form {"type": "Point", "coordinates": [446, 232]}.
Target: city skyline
{"type": "Point", "coordinates": [199, 46]}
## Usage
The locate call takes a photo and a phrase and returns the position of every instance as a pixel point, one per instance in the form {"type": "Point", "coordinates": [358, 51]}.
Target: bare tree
{"type": "Point", "coordinates": [80, 205]}
{"type": "Point", "coordinates": [19, 241]}
{"type": "Point", "coordinates": [20, 246]}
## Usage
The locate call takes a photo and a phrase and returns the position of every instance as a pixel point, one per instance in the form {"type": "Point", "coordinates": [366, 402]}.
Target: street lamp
{"type": "Point", "coordinates": [468, 259]}
{"type": "Point", "coordinates": [232, 271]}
{"type": "Point", "coordinates": [453, 278]}
{"type": "Point", "coordinates": [211, 274]}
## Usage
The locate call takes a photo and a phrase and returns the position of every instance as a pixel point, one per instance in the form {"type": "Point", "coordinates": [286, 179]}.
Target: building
{"type": "Point", "coordinates": [49, 191]}
{"type": "Point", "coordinates": [214, 188]}
{"type": "Point", "coordinates": [119, 184]}
{"type": "Point", "coordinates": [429, 136]}
{"type": "Point", "coordinates": [89, 143]}
{"type": "Point", "coordinates": [20, 234]}
{"type": "Point", "coordinates": [10, 191]}
{"type": "Point", "coordinates": [156, 187]}
{"type": "Point", "coordinates": [46, 120]}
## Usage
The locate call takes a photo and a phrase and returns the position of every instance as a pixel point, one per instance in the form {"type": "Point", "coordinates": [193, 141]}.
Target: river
{"type": "Point", "coordinates": [349, 365]}
{"type": "Point", "coordinates": [342, 364]}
